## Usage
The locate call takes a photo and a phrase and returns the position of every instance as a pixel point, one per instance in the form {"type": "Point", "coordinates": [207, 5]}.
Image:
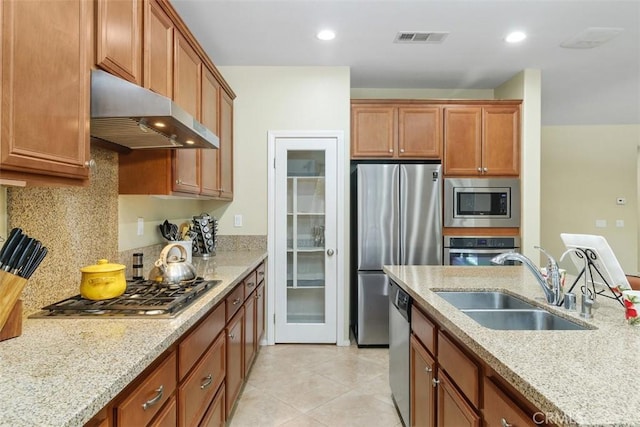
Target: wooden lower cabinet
{"type": "Point", "coordinates": [235, 363]}
{"type": "Point", "coordinates": [453, 409]}
{"type": "Point", "coordinates": [145, 401]}
{"type": "Point", "coordinates": [215, 416]}
{"type": "Point", "coordinates": [168, 417]}
{"type": "Point", "coordinates": [423, 390]}
{"type": "Point", "coordinates": [260, 313]}
{"type": "Point", "coordinates": [501, 410]}
{"type": "Point", "coordinates": [198, 389]}
{"type": "Point", "coordinates": [249, 332]}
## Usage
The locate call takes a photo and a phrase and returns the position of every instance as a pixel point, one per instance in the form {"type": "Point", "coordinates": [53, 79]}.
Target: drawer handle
{"type": "Point", "coordinates": [505, 423]}
{"type": "Point", "coordinates": [236, 301]}
{"type": "Point", "coordinates": [149, 403]}
{"type": "Point", "coordinates": [251, 284]}
{"type": "Point", "coordinates": [232, 336]}
{"type": "Point", "coordinates": [435, 382]}
{"type": "Point", "coordinates": [260, 273]}
{"type": "Point", "coordinates": [207, 382]}
{"type": "Point", "coordinates": [258, 296]}
{"type": "Point", "coordinates": [428, 370]}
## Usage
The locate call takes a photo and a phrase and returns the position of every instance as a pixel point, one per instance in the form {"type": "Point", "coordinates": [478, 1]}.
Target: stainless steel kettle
{"type": "Point", "coordinates": [173, 270]}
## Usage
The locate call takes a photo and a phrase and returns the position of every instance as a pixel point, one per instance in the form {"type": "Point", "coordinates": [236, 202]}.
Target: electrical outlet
{"type": "Point", "coordinates": [237, 220]}
{"type": "Point", "coordinates": [619, 223]}
{"type": "Point", "coordinates": [601, 223]}
{"type": "Point", "coordinates": [140, 226]}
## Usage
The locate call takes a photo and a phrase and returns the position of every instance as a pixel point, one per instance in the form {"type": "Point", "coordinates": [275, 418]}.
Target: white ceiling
{"type": "Point", "coordinates": [579, 86]}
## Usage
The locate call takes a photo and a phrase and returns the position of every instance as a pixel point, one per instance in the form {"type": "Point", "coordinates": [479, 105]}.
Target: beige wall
{"type": "Point", "coordinates": [526, 85]}
{"type": "Point", "coordinates": [277, 99]}
{"type": "Point", "coordinates": [584, 169]}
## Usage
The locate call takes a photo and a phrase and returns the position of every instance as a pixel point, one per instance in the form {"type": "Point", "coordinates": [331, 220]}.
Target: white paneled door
{"type": "Point", "coordinates": [305, 239]}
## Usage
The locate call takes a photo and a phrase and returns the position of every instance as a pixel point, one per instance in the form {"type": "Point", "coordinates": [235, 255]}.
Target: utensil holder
{"type": "Point", "coordinates": [11, 287]}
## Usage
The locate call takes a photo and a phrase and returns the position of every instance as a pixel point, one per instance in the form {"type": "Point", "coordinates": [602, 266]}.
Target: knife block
{"type": "Point", "coordinates": [11, 287]}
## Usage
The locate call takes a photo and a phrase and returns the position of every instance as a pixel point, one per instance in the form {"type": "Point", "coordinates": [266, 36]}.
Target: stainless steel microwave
{"type": "Point", "coordinates": [482, 202]}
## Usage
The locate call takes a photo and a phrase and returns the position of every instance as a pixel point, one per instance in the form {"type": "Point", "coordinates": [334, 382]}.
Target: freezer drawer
{"type": "Point", "coordinates": [372, 327]}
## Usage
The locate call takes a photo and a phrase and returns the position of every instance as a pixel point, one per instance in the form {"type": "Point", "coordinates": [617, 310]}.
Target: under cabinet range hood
{"type": "Point", "coordinates": [129, 115]}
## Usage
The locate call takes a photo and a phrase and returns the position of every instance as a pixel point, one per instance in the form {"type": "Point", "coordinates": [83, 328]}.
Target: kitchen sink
{"type": "Point", "coordinates": [499, 310]}
{"type": "Point", "coordinates": [484, 300]}
{"type": "Point", "coordinates": [526, 320]}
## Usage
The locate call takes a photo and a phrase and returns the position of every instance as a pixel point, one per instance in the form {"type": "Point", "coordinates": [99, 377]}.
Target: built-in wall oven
{"type": "Point", "coordinates": [482, 202]}
{"type": "Point", "coordinates": [478, 250]}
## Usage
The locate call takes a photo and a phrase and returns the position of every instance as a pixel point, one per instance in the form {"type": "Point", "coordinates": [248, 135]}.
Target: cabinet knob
{"type": "Point", "coordinates": [391, 150]}
{"type": "Point", "coordinates": [232, 336]}
{"type": "Point", "coordinates": [505, 423]}
{"type": "Point", "coordinates": [178, 181]}
{"type": "Point", "coordinates": [149, 403]}
{"type": "Point", "coordinates": [90, 164]}
{"type": "Point", "coordinates": [236, 301]}
{"type": "Point", "coordinates": [485, 170]}
{"type": "Point", "coordinates": [435, 382]}
{"type": "Point", "coordinates": [480, 170]}
{"type": "Point", "coordinates": [428, 370]}
{"type": "Point", "coordinates": [402, 150]}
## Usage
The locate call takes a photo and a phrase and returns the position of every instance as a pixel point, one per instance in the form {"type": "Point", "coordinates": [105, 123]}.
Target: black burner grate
{"type": "Point", "coordinates": [143, 298]}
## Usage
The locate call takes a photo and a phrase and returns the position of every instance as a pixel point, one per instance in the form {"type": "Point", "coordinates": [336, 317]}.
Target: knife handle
{"type": "Point", "coordinates": [24, 255]}
{"type": "Point", "coordinates": [31, 258]}
{"type": "Point", "coordinates": [41, 254]}
{"type": "Point", "coordinates": [15, 254]}
{"type": "Point", "coordinates": [9, 245]}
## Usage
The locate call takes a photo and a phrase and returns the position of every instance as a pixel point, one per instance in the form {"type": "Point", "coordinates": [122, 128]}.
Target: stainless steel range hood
{"type": "Point", "coordinates": [126, 114]}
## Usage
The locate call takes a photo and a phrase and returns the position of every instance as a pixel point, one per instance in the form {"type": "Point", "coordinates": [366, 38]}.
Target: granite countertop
{"type": "Point", "coordinates": [61, 372]}
{"type": "Point", "coordinates": [586, 378]}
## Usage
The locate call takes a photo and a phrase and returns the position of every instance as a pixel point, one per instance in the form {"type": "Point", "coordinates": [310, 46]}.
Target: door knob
{"type": "Point", "coordinates": [330, 252]}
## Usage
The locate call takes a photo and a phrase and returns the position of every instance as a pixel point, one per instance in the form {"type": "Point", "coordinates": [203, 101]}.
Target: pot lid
{"type": "Point", "coordinates": [102, 266]}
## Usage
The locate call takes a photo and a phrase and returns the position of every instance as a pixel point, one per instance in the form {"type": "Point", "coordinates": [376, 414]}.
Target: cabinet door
{"type": "Point", "coordinates": [422, 388]}
{"type": "Point", "coordinates": [158, 50]}
{"type": "Point", "coordinates": [186, 93]}
{"type": "Point", "coordinates": [45, 69]}
{"type": "Point", "coordinates": [453, 410]}
{"type": "Point", "coordinates": [462, 141]}
{"type": "Point", "coordinates": [235, 365]}
{"type": "Point", "coordinates": [419, 132]}
{"type": "Point", "coordinates": [226, 146]}
{"type": "Point", "coordinates": [209, 158]}
{"type": "Point", "coordinates": [168, 417]}
{"type": "Point", "coordinates": [118, 34]}
{"type": "Point", "coordinates": [249, 332]}
{"type": "Point", "coordinates": [501, 140]}
{"type": "Point", "coordinates": [373, 131]}
{"type": "Point", "coordinates": [215, 416]}
{"type": "Point", "coordinates": [260, 313]}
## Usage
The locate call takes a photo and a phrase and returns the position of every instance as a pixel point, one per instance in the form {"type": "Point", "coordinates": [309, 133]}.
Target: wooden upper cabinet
{"type": "Point", "coordinates": [158, 49]}
{"type": "Point", "coordinates": [186, 93]}
{"type": "Point", "coordinates": [501, 140]}
{"type": "Point", "coordinates": [463, 140]}
{"type": "Point", "coordinates": [482, 140]}
{"type": "Point", "coordinates": [387, 130]}
{"type": "Point", "coordinates": [226, 146]}
{"type": "Point", "coordinates": [46, 66]}
{"type": "Point", "coordinates": [419, 132]}
{"type": "Point", "coordinates": [118, 44]}
{"type": "Point", "coordinates": [374, 131]}
{"type": "Point", "coordinates": [209, 158]}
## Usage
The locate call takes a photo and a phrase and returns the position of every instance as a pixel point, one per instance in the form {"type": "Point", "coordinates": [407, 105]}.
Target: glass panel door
{"type": "Point", "coordinates": [305, 235]}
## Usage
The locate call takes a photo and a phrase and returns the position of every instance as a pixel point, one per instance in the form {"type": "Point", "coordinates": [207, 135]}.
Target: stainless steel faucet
{"type": "Point", "coordinates": [550, 285]}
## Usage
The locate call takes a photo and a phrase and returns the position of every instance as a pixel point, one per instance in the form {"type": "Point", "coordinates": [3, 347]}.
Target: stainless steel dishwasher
{"type": "Point", "coordinates": [399, 330]}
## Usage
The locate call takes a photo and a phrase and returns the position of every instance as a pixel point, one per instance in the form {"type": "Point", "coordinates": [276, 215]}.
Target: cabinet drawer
{"type": "Point", "coordinates": [461, 368]}
{"type": "Point", "coordinates": [260, 271]}
{"type": "Point", "coordinates": [250, 283]}
{"type": "Point", "coordinates": [500, 410]}
{"type": "Point", "coordinates": [215, 416]}
{"type": "Point", "coordinates": [234, 301]}
{"type": "Point", "coordinates": [424, 329]}
{"type": "Point", "coordinates": [168, 417]}
{"type": "Point", "coordinates": [196, 393]}
{"type": "Point", "coordinates": [197, 341]}
{"type": "Point", "coordinates": [147, 399]}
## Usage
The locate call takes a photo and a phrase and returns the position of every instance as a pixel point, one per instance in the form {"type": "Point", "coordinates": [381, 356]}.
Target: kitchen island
{"type": "Point", "coordinates": [585, 377]}
{"type": "Point", "coordinates": [61, 372]}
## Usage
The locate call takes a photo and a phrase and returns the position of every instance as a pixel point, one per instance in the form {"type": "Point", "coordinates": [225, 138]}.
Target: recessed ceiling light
{"type": "Point", "coordinates": [515, 37]}
{"type": "Point", "coordinates": [326, 35]}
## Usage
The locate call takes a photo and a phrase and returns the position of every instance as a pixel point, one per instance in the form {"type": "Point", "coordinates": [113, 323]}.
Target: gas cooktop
{"type": "Point", "coordinates": [142, 299]}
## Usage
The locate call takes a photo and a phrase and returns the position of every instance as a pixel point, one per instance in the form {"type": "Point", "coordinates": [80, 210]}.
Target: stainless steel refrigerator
{"type": "Point", "coordinates": [396, 220]}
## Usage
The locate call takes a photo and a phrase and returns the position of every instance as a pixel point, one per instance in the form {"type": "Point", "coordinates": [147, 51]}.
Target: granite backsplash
{"type": "Point", "coordinates": [80, 225]}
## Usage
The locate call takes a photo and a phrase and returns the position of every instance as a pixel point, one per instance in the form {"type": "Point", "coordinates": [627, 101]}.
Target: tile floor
{"type": "Point", "coordinates": [298, 385]}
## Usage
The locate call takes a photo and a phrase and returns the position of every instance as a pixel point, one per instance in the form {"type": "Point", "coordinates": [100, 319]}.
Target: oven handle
{"type": "Point", "coordinates": [480, 251]}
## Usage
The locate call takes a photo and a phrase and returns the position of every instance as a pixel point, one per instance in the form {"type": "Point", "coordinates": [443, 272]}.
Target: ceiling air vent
{"type": "Point", "coordinates": [420, 37]}
{"type": "Point", "coordinates": [591, 37]}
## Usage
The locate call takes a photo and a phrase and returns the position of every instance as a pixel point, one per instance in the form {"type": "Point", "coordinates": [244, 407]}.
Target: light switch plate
{"type": "Point", "coordinates": [237, 220]}
{"type": "Point", "coordinates": [140, 226]}
{"type": "Point", "coordinates": [601, 223]}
